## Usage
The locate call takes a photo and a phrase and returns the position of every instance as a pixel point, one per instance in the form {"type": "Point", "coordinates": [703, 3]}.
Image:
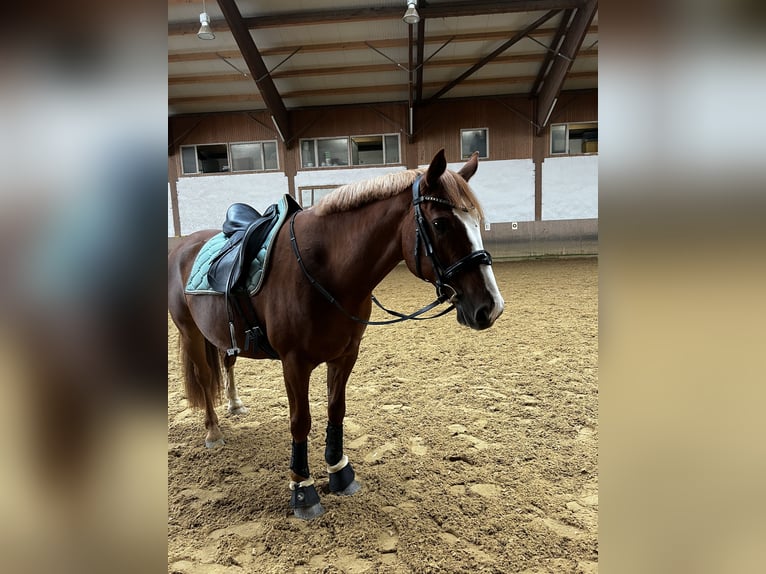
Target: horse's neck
{"type": "Point", "coordinates": [364, 245]}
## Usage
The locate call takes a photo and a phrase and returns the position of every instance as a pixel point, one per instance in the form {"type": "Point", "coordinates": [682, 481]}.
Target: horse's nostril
{"type": "Point", "coordinates": [482, 315]}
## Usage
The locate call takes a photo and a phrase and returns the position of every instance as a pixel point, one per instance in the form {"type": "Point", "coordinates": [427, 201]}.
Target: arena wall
{"type": "Point", "coordinates": [536, 204]}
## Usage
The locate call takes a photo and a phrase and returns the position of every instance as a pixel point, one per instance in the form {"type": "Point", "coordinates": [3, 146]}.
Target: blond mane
{"type": "Point", "coordinates": [353, 195]}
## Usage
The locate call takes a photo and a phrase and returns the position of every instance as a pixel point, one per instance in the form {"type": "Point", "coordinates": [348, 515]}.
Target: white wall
{"type": "Point", "coordinates": [203, 200]}
{"type": "Point", "coordinates": [340, 176]}
{"type": "Point", "coordinates": [171, 231]}
{"type": "Point", "coordinates": [505, 188]}
{"type": "Point", "coordinates": [570, 187]}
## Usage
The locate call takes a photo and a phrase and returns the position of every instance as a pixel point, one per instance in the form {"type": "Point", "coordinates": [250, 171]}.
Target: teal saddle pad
{"type": "Point", "coordinates": [198, 282]}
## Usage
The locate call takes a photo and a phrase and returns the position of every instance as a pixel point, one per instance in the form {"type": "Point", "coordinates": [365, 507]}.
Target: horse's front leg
{"type": "Point", "coordinates": [304, 498]}
{"type": "Point", "coordinates": [339, 469]}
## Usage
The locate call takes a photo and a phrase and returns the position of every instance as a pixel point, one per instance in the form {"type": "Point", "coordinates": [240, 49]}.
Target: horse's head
{"type": "Point", "coordinates": [446, 249]}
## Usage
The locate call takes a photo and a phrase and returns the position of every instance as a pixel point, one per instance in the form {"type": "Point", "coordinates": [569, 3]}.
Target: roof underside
{"type": "Point", "coordinates": [279, 55]}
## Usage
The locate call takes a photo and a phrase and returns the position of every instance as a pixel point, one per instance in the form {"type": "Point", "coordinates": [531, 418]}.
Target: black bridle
{"type": "Point", "coordinates": [481, 257]}
{"type": "Point", "coordinates": [442, 275]}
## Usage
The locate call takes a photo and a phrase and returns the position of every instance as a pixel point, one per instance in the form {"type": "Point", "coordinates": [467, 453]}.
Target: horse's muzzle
{"type": "Point", "coordinates": [478, 317]}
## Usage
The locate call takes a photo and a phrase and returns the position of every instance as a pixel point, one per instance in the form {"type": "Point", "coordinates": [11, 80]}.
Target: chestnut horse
{"type": "Point", "coordinates": [316, 299]}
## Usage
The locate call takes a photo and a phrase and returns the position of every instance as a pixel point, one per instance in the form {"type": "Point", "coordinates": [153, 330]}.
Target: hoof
{"type": "Point", "coordinates": [305, 500]}
{"type": "Point", "coordinates": [241, 410]}
{"type": "Point", "coordinates": [350, 489]}
{"type": "Point", "coordinates": [342, 480]}
{"type": "Point", "coordinates": [308, 512]}
{"type": "Point", "coordinates": [214, 443]}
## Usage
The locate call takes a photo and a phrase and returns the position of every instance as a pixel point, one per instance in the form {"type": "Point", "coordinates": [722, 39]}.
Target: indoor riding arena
{"type": "Point", "coordinates": [476, 450]}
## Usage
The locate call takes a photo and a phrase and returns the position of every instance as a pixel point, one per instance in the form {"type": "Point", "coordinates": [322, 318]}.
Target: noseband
{"type": "Point", "coordinates": [481, 257]}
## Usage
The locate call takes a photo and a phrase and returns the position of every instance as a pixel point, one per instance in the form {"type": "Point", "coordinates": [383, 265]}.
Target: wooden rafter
{"type": "Point", "coordinates": [412, 74]}
{"type": "Point", "coordinates": [554, 80]}
{"type": "Point", "coordinates": [553, 48]}
{"type": "Point", "coordinates": [387, 88]}
{"type": "Point", "coordinates": [419, 61]}
{"type": "Point", "coordinates": [258, 69]}
{"type": "Point", "coordinates": [342, 46]}
{"type": "Point", "coordinates": [360, 69]}
{"type": "Point", "coordinates": [489, 57]}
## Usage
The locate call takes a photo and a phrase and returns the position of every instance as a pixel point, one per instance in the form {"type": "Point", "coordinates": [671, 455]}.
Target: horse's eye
{"type": "Point", "coordinates": [441, 225]}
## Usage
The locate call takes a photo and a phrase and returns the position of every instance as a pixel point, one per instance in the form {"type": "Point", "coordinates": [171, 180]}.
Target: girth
{"type": "Point", "coordinates": [246, 230]}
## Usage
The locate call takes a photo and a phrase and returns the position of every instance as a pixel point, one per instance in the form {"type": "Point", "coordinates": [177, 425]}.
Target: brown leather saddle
{"type": "Point", "coordinates": [246, 229]}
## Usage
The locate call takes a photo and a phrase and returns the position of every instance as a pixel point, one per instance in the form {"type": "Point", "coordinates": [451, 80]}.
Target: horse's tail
{"type": "Point", "coordinates": [196, 386]}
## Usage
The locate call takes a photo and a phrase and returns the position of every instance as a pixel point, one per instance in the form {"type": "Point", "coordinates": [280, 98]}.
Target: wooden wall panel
{"type": "Point", "coordinates": [507, 119]}
{"type": "Point", "coordinates": [438, 125]}
{"type": "Point", "coordinates": [223, 128]}
{"type": "Point", "coordinates": [350, 120]}
{"type": "Point", "coordinates": [575, 107]}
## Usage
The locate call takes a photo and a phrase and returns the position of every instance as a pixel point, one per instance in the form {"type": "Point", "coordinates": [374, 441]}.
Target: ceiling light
{"type": "Point", "coordinates": [411, 16]}
{"type": "Point", "coordinates": [205, 31]}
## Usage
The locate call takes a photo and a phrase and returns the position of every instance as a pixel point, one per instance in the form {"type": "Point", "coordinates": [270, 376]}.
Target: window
{"type": "Point", "coordinates": [574, 138]}
{"type": "Point", "coordinates": [308, 158]}
{"type": "Point", "coordinates": [189, 159]}
{"type": "Point", "coordinates": [217, 158]}
{"type": "Point", "coordinates": [205, 158]}
{"type": "Point", "coordinates": [367, 150]}
{"type": "Point", "coordinates": [391, 149]}
{"type": "Point", "coordinates": [254, 156]}
{"type": "Point", "coordinates": [332, 152]}
{"type": "Point", "coordinates": [559, 139]}
{"type": "Point", "coordinates": [474, 140]}
{"type": "Point", "coordinates": [354, 150]}
{"type": "Point", "coordinates": [246, 157]}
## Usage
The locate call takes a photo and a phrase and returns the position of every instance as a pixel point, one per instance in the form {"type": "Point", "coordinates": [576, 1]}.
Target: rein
{"type": "Point", "coordinates": [326, 294]}
{"type": "Point", "coordinates": [481, 257]}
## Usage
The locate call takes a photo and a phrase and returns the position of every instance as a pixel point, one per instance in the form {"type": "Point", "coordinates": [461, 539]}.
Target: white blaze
{"type": "Point", "coordinates": [471, 223]}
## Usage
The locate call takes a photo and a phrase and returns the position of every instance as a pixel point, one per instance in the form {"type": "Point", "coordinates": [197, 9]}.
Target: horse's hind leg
{"type": "Point", "coordinates": [201, 361]}
{"type": "Point", "coordinates": [202, 381]}
{"type": "Point", "coordinates": [340, 471]}
{"type": "Point", "coordinates": [235, 405]}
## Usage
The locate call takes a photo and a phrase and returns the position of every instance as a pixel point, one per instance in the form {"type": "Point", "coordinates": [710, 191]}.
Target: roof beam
{"type": "Point", "coordinates": [412, 74]}
{"type": "Point", "coordinates": [553, 50]}
{"type": "Point", "coordinates": [388, 88]}
{"type": "Point", "coordinates": [226, 98]}
{"type": "Point", "coordinates": [307, 17]}
{"type": "Point", "coordinates": [340, 46]}
{"type": "Point", "coordinates": [207, 78]}
{"type": "Point", "coordinates": [453, 9]}
{"type": "Point", "coordinates": [419, 61]}
{"type": "Point", "coordinates": [442, 10]}
{"type": "Point", "coordinates": [489, 57]}
{"type": "Point", "coordinates": [258, 69]}
{"type": "Point", "coordinates": [555, 79]}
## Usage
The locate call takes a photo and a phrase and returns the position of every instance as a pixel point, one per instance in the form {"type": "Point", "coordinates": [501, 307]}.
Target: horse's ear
{"type": "Point", "coordinates": [436, 169]}
{"type": "Point", "coordinates": [467, 171]}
